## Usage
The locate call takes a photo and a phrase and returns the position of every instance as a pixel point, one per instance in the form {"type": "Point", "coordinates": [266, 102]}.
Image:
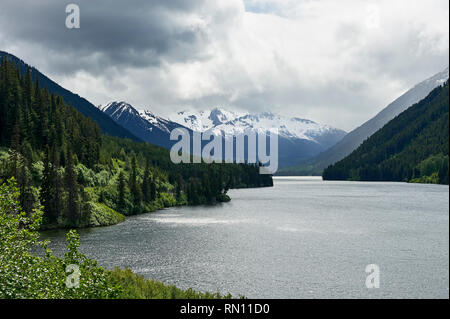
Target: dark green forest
{"type": "Point", "coordinates": [413, 147]}
{"type": "Point", "coordinates": [62, 161]}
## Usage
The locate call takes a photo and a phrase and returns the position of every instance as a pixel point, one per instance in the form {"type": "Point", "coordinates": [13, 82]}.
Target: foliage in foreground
{"type": "Point", "coordinates": [137, 287]}
{"type": "Point", "coordinates": [24, 274]}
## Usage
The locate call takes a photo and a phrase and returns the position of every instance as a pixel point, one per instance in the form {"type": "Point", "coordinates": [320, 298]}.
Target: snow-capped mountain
{"type": "Point", "coordinates": [202, 121]}
{"type": "Point", "coordinates": [298, 138]}
{"type": "Point", "coordinates": [228, 123]}
{"type": "Point", "coordinates": [144, 124]}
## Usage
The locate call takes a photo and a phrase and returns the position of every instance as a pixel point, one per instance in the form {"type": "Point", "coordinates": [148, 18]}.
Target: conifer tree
{"type": "Point", "coordinates": [47, 190]}
{"type": "Point", "coordinates": [146, 183]}
{"type": "Point", "coordinates": [121, 204]}
{"type": "Point", "coordinates": [72, 211]}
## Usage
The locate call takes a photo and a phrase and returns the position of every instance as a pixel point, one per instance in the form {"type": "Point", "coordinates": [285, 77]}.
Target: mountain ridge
{"type": "Point", "coordinates": [353, 139]}
{"type": "Point", "coordinates": [233, 123]}
{"type": "Point", "coordinates": [412, 147]}
{"type": "Point", "coordinates": [107, 125]}
{"type": "Point", "coordinates": [144, 124]}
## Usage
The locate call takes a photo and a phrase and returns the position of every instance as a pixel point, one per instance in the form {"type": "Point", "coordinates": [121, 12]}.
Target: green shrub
{"type": "Point", "coordinates": [85, 176]}
{"type": "Point", "coordinates": [37, 171]}
{"type": "Point", "coordinates": [168, 200]}
{"type": "Point", "coordinates": [102, 178]}
{"type": "Point", "coordinates": [102, 215]}
{"type": "Point", "coordinates": [25, 275]}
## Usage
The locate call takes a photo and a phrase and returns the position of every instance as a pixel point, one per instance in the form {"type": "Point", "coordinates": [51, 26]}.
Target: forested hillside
{"type": "Point", "coordinates": [355, 138]}
{"type": "Point", "coordinates": [107, 125]}
{"type": "Point", "coordinates": [413, 147]}
{"type": "Point", "coordinates": [62, 161]}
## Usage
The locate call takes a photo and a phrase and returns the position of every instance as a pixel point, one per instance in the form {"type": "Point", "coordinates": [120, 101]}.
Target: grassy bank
{"type": "Point", "coordinates": [137, 287]}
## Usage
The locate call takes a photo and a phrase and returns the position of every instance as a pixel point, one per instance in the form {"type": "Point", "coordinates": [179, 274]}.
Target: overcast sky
{"type": "Point", "coordinates": [334, 62]}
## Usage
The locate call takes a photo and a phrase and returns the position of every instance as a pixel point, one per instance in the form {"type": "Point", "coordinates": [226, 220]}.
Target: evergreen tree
{"type": "Point", "coordinates": [121, 204]}
{"type": "Point", "coordinates": [26, 197]}
{"type": "Point", "coordinates": [135, 190]}
{"type": "Point", "coordinates": [153, 194]}
{"type": "Point", "coordinates": [72, 210]}
{"type": "Point", "coordinates": [46, 193]}
{"type": "Point", "coordinates": [15, 151]}
{"type": "Point", "coordinates": [146, 183]}
{"type": "Point", "coordinates": [178, 186]}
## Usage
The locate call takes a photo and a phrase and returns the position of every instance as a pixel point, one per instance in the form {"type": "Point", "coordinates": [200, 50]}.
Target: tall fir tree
{"type": "Point", "coordinates": [73, 213]}
{"type": "Point", "coordinates": [121, 190]}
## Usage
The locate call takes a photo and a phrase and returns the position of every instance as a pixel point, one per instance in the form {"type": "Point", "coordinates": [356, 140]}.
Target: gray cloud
{"type": "Point", "coordinates": [136, 34]}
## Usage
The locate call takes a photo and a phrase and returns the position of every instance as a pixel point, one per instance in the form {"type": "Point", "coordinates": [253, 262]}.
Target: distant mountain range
{"type": "Point", "coordinates": [352, 140]}
{"type": "Point", "coordinates": [413, 147]}
{"type": "Point", "coordinates": [107, 125]}
{"type": "Point", "coordinates": [144, 124]}
{"type": "Point", "coordinates": [305, 147]}
{"type": "Point", "coordinates": [298, 138]}
{"type": "Point", "coordinates": [229, 123]}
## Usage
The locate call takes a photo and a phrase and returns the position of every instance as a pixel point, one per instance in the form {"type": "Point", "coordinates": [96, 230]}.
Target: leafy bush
{"type": "Point", "coordinates": [25, 275]}
{"type": "Point", "coordinates": [85, 176]}
{"type": "Point", "coordinates": [168, 200]}
{"type": "Point", "coordinates": [432, 164]}
{"type": "Point", "coordinates": [37, 171]}
{"type": "Point", "coordinates": [102, 178]}
{"type": "Point", "coordinates": [102, 215]}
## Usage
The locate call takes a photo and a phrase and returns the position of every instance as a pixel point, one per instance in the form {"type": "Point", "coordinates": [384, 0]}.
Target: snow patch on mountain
{"type": "Point", "coordinates": [119, 109]}
{"type": "Point", "coordinates": [229, 123]}
{"type": "Point", "coordinates": [202, 121]}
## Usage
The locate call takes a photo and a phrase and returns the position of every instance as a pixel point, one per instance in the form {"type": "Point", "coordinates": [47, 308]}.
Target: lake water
{"type": "Point", "coordinates": [303, 238]}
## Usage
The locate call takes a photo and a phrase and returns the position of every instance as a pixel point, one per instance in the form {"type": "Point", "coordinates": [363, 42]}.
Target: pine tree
{"type": "Point", "coordinates": [178, 186]}
{"type": "Point", "coordinates": [26, 197]}
{"type": "Point", "coordinates": [73, 211]}
{"type": "Point", "coordinates": [153, 190]}
{"type": "Point", "coordinates": [15, 151]}
{"type": "Point", "coordinates": [46, 193]}
{"type": "Point", "coordinates": [146, 183]}
{"type": "Point", "coordinates": [135, 190]}
{"type": "Point", "coordinates": [121, 204]}
{"type": "Point", "coordinates": [57, 187]}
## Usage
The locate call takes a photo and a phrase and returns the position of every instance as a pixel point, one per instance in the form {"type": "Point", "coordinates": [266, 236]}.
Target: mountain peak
{"type": "Point", "coordinates": [115, 108]}
{"type": "Point", "coordinates": [219, 116]}
{"type": "Point", "coordinates": [234, 123]}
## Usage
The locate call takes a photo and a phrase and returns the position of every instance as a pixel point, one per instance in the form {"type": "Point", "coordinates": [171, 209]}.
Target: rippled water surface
{"type": "Point", "coordinates": [303, 238]}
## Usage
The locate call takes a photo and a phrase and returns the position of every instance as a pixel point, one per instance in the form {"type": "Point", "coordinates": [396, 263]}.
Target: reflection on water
{"type": "Point", "coordinates": [303, 238]}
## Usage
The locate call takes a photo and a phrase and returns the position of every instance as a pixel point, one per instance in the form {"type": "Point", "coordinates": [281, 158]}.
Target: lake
{"type": "Point", "coordinates": [302, 238]}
